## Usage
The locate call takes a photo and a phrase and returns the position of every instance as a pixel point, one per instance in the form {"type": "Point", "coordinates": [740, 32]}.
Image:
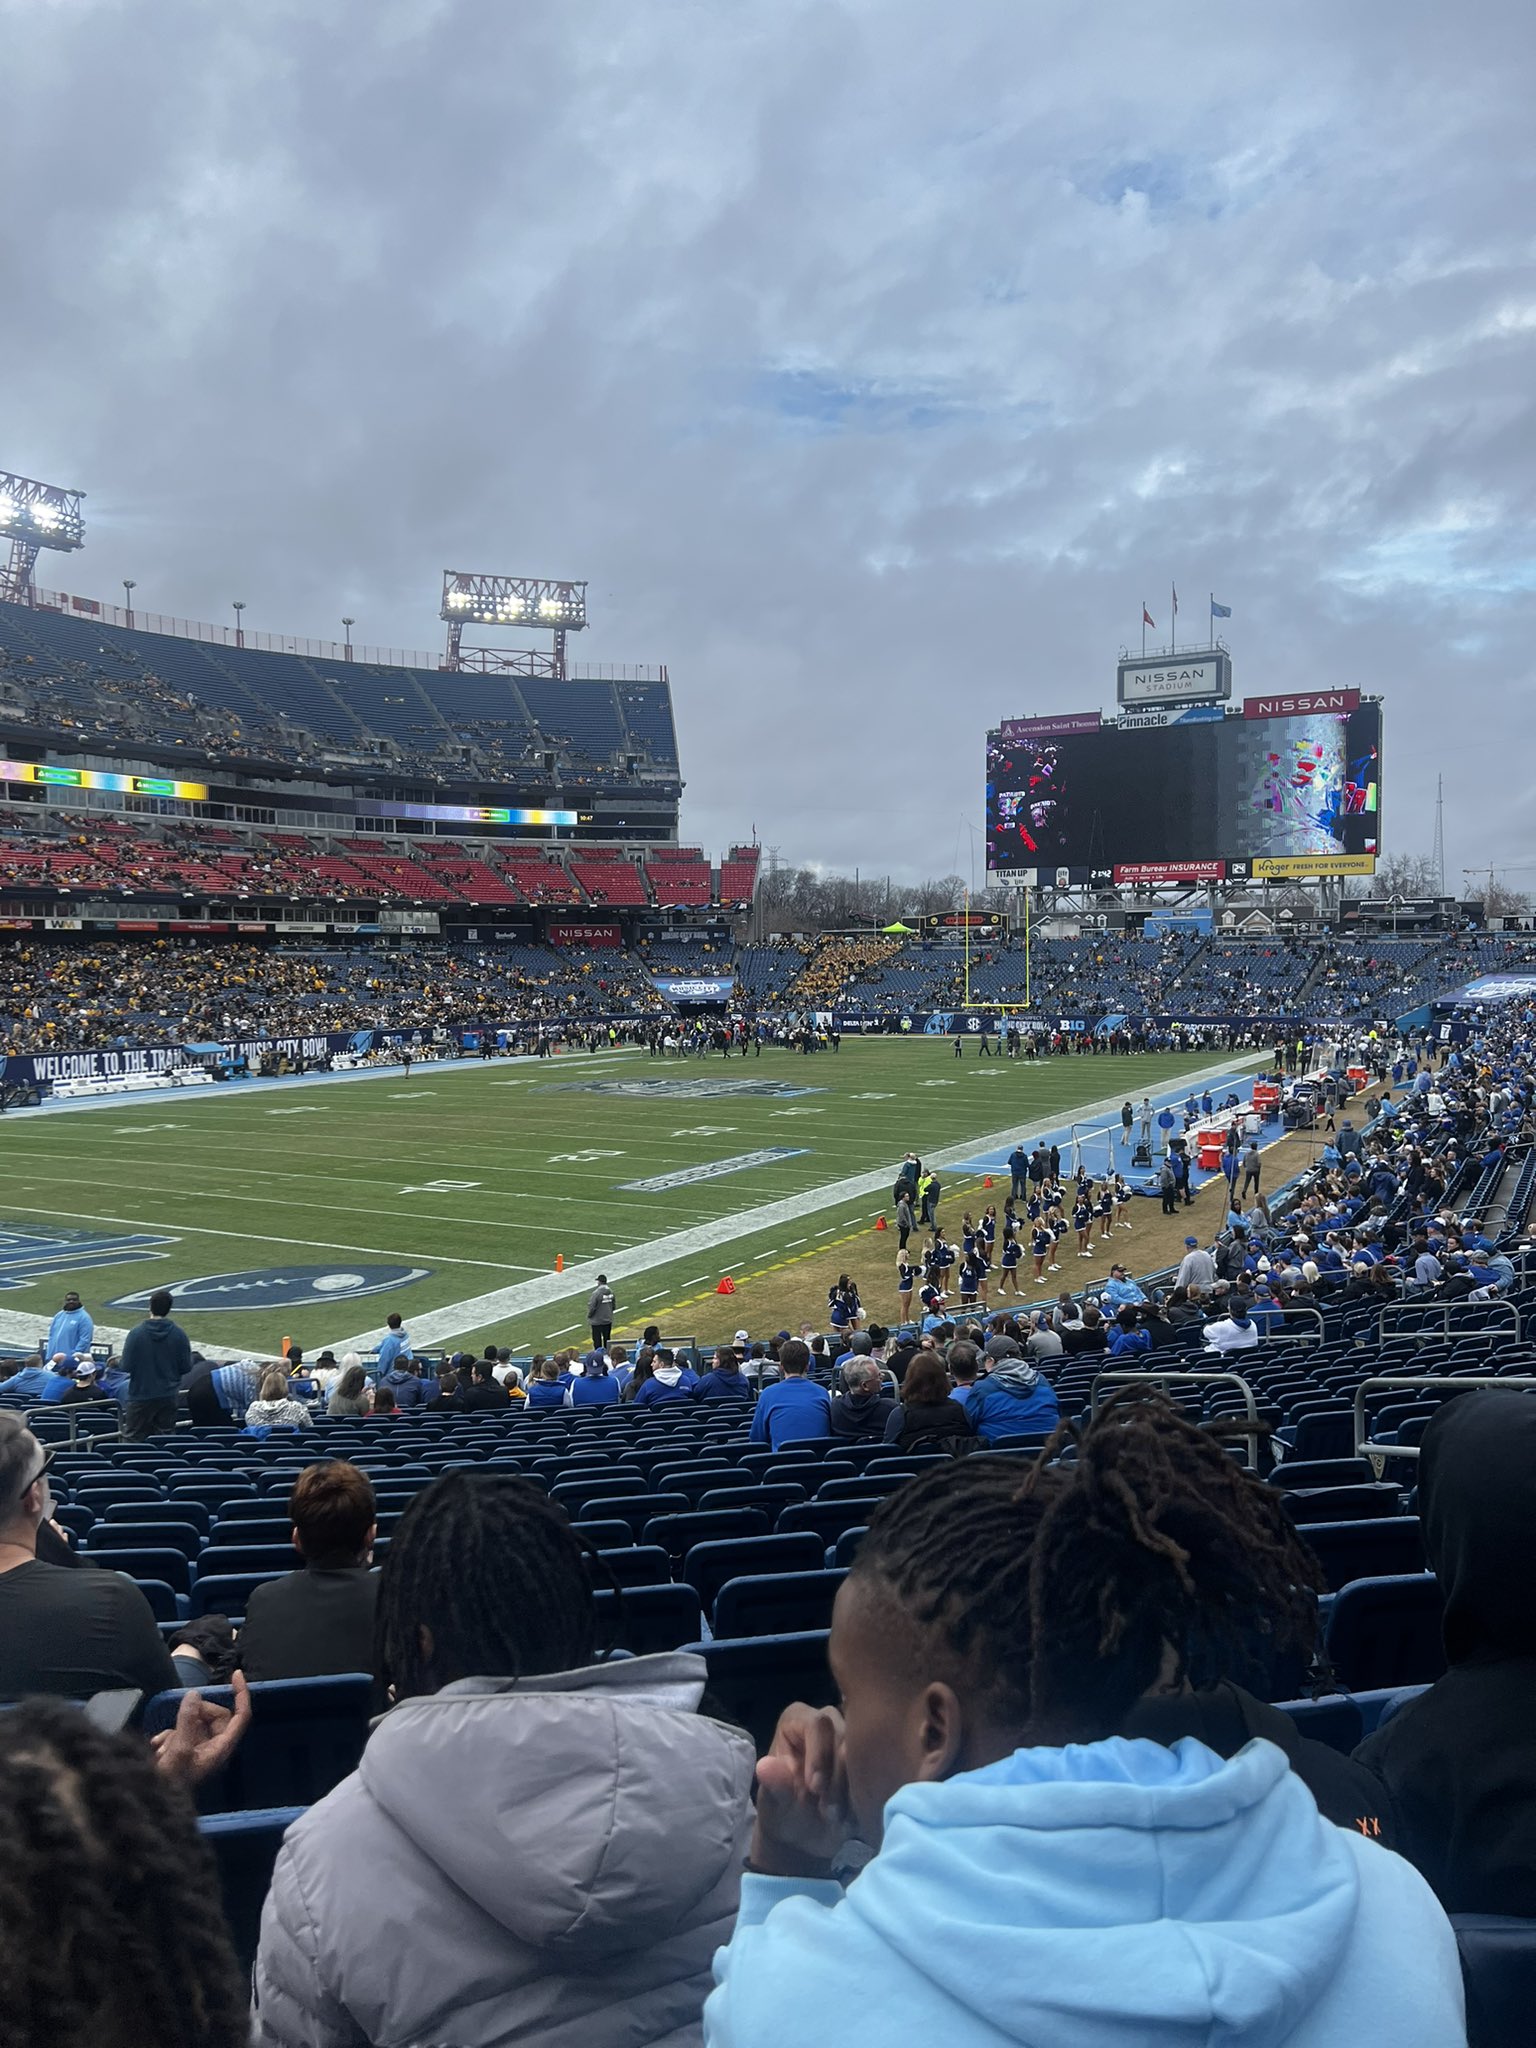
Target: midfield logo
{"type": "Point", "coordinates": [28, 1254]}
{"type": "Point", "coordinates": [282, 1287]}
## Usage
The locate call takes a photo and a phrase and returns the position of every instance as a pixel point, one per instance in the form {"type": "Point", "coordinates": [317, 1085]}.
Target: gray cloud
{"type": "Point", "coordinates": [874, 359]}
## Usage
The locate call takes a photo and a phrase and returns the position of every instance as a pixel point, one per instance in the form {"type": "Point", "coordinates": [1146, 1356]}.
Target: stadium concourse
{"type": "Point", "coordinates": [913, 1580]}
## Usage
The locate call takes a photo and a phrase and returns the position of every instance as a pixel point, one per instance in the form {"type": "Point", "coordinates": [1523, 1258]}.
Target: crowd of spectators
{"type": "Point", "coordinates": [1051, 1676]}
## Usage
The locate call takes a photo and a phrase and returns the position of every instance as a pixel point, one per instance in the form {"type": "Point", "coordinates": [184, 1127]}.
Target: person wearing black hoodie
{"type": "Point", "coordinates": [1459, 1763]}
{"type": "Point", "coordinates": [861, 1411]}
{"type": "Point", "coordinates": [157, 1356]}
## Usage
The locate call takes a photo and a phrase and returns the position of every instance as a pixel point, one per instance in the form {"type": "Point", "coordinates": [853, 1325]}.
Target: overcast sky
{"type": "Point", "coordinates": [873, 359]}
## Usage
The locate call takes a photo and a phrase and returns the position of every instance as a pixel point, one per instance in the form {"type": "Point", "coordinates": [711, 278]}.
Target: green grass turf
{"type": "Point", "coordinates": [336, 1173]}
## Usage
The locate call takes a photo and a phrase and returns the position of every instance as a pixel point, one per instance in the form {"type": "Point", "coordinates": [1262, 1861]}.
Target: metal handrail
{"type": "Point", "coordinates": [1231, 1379]}
{"type": "Point", "coordinates": [71, 1412]}
{"type": "Point", "coordinates": [1445, 1310]}
{"type": "Point", "coordinates": [1365, 1447]}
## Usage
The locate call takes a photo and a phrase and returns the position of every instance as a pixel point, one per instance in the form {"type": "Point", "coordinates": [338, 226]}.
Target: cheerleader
{"type": "Point", "coordinates": [1013, 1251]}
{"type": "Point", "coordinates": [906, 1275]}
{"type": "Point", "coordinates": [1104, 1209]}
{"type": "Point", "coordinates": [1041, 1245]}
{"type": "Point", "coordinates": [1058, 1226]}
{"type": "Point", "coordinates": [989, 1227]}
{"type": "Point", "coordinates": [1122, 1203]}
{"type": "Point", "coordinates": [843, 1305]}
{"type": "Point", "coordinates": [1082, 1223]}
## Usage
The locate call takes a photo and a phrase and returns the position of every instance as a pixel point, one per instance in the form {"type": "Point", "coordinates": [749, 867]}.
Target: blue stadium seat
{"type": "Point", "coordinates": [164, 1603]}
{"type": "Point", "coordinates": [678, 1534]}
{"type": "Point", "coordinates": [245, 1847]}
{"type": "Point", "coordinates": [828, 1518]}
{"type": "Point", "coordinates": [646, 1619]}
{"type": "Point", "coordinates": [1342, 1503]}
{"type": "Point", "coordinates": [771, 1499]}
{"type": "Point", "coordinates": [306, 1735]}
{"type": "Point", "coordinates": [74, 1516]}
{"type": "Point", "coordinates": [222, 1557]}
{"type": "Point", "coordinates": [605, 1535]}
{"type": "Point", "coordinates": [846, 1549]}
{"type": "Point", "coordinates": [869, 1485]}
{"type": "Point", "coordinates": [146, 1562]}
{"type": "Point", "coordinates": [752, 1679]}
{"type": "Point", "coordinates": [227, 1592]}
{"type": "Point", "coordinates": [637, 1509]}
{"type": "Point", "coordinates": [1498, 1968]}
{"type": "Point", "coordinates": [1385, 1548]}
{"type": "Point", "coordinates": [777, 1603]}
{"type": "Point", "coordinates": [708, 1566]}
{"type": "Point", "coordinates": [192, 1512]}
{"type": "Point", "coordinates": [178, 1536]}
{"type": "Point", "coordinates": [640, 1564]}
{"type": "Point", "coordinates": [1386, 1632]}
{"type": "Point", "coordinates": [1335, 1719]}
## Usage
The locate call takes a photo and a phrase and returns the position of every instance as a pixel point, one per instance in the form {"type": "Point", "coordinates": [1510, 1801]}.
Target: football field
{"type": "Point", "coordinates": [313, 1208]}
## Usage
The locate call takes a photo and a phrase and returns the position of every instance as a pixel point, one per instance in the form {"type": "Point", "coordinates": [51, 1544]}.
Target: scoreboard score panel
{"type": "Point", "coordinates": [1302, 789]}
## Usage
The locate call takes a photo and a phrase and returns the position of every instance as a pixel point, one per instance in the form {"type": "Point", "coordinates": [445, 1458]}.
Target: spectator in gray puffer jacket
{"type": "Point", "coordinates": [536, 1847]}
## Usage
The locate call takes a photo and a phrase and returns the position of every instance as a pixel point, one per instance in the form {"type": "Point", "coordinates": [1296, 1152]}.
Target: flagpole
{"type": "Point", "coordinates": [1143, 629]}
{"type": "Point", "coordinates": [1173, 592]}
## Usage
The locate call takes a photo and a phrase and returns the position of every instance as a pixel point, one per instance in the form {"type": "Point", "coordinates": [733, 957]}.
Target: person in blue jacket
{"type": "Point", "coordinates": [69, 1334]}
{"type": "Point", "coordinates": [795, 1406]}
{"type": "Point", "coordinates": [725, 1380]}
{"type": "Point", "coordinates": [1015, 1399]}
{"type": "Point", "coordinates": [1040, 1875]}
{"type": "Point", "coordinates": [669, 1382]}
{"type": "Point", "coordinates": [547, 1390]}
{"type": "Point", "coordinates": [596, 1386]}
{"type": "Point", "coordinates": [1128, 1337]}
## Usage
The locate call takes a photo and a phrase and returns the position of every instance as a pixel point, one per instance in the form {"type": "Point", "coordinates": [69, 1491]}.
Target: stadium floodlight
{"type": "Point", "coordinates": [537, 602]}
{"type": "Point", "coordinates": [34, 516]}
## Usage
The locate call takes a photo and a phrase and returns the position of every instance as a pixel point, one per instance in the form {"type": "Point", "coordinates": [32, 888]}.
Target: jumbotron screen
{"type": "Point", "coordinates": [1303, 790]}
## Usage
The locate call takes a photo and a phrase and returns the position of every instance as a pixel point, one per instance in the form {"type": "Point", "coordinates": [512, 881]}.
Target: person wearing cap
{"type": "Point", "coordinates": [1197, 1268]}
{"type": "Point", "coordinates": [67, 1633]}
{"type": "Point", "coordinates": [85, 1383]}
{"type": "Point", "coordinates": [70, 1334]}
{"type": "Point", "coordinates": [1121, 1291]}
{"type": "Point", "coordinates": [596, 1386]}
{"type": "Point", "coordinates": [725, 1380]}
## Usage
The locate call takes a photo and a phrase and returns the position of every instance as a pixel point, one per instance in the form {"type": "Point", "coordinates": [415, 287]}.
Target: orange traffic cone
{"type": "Point", "coordinates": [727, 1285]}
{"type": "Point", "coordinates": [559, 1262]}
{"type": "Point", "coordinates": [986, 1180]}
{"type": "Point", "coordinates": [882, 1224]}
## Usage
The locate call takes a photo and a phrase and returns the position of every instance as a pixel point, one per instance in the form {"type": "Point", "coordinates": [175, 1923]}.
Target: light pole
{"type": "Point", "coordinates": [347, 625]}
{"type": "Point", "coordinates": [128, 589]}
{"type": "Point", "coordinates": [239, 628]}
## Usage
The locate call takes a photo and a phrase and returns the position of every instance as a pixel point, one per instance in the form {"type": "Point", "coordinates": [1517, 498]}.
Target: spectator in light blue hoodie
{"type": "Point", "coordinates": [1040, 1877]}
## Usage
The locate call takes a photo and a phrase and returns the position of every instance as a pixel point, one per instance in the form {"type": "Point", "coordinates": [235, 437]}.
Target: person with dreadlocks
{"type": "Point", "coordinates": [540, 1844]}
{"type": "Point", "coordinates": [1041, 1875]}
{"type": "Point", "coordinates": [114, 1937]}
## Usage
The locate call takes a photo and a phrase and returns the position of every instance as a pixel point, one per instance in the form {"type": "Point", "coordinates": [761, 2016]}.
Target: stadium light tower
{"type": "Point", "coordinates": [34, 516]}
{"type": "Point", "coordinates": [533, 603]}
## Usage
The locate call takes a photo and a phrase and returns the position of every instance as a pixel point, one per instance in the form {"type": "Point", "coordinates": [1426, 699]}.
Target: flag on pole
{"type": "Point", "coordinates": [1175, 589]}
{"type": "Point", "coordinates": [1220, 611]}
{"type": "Point", "coordinates": [1147, 618]}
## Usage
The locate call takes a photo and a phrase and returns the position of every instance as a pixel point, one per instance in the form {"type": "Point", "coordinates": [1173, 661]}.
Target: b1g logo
{"type": "Point", "coordinates": [281, 1287]}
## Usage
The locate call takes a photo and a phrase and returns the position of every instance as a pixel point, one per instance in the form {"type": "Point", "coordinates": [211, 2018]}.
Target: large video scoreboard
{"type": "Point", "coordinates": [1288, 786]}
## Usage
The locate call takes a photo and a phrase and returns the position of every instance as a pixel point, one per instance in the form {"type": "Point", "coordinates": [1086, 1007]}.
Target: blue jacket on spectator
{"type": "Point", "coordinates": [795, 1407]}
{"type": "Point", "coordinates": [546, 1394]}
{"type": "Point", "coordinates": [1124, 1342]}
{"type": "Point", "coordinates": [408, 1390]}
{"type": "Point", "coordinates": [723, 1386]}
{"type": "Point", "coordinates": [667, 1383]}
{"type": "Point", "coordinates": [1015, 1399]}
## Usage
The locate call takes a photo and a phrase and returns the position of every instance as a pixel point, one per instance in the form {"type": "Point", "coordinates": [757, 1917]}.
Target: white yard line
{"type": "Point", "coordinates": [502, 1303]}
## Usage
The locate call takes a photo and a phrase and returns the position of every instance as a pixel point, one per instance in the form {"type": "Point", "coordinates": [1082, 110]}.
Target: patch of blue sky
{"type": "Point", "coordinates": [1443, 562]}
{"type": "Point", "coordinates": [819, 401]}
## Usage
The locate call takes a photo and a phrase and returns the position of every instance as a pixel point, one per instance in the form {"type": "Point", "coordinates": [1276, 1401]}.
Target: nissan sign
{"type": "Point", "coordinates": [1196, 678]}
{"type": "Point", "coordinates": [1300, 703]}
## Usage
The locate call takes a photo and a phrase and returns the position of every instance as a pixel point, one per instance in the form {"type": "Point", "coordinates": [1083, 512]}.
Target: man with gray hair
{"type": "Point", "coordinates": [860, 1411]}
{"type": "Point", "coordinates": [69, 1633]}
